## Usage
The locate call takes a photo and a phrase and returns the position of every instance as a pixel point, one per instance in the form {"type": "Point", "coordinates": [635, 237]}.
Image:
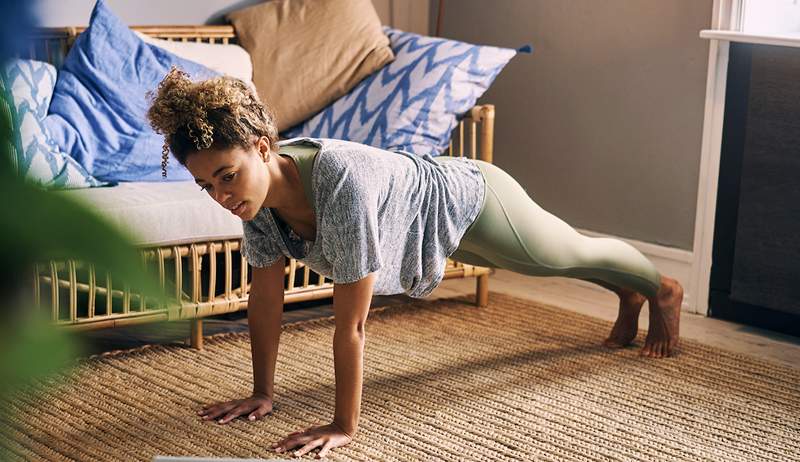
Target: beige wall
{"type": "Point", "coordinates": [408, 15]}
{"type": "Point", "coordinates": [602, 123]}
{"type": "Point", "coordinates": [411, 15]}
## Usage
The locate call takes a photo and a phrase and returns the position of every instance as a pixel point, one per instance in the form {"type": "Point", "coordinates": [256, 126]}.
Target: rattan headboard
{"type": "Point", "coordinates": [52, 44]}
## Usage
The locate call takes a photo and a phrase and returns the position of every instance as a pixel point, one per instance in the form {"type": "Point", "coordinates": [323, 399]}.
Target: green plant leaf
{"type": "Point", "coordinates": [32, 348]}
{"type": "Point", "coordinates": [40, 225]}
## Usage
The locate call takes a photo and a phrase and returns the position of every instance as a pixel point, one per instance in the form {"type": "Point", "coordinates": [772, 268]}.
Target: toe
{"type": "Point", "coordinates": [669, 349]}
{"type": "Point", "coordinates": [654, 350]}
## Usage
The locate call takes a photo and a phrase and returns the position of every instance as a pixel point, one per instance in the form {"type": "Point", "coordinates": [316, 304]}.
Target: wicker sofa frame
{"type": "Point", "coordinates": [208, 277]}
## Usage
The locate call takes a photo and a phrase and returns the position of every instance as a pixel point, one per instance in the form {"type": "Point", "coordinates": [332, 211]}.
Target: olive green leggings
{"type": "Point", "coordinates": [512, 232]}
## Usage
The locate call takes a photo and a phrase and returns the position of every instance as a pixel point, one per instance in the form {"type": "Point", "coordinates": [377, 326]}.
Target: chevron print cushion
{"type": "Point", "coordinates": [31, 85]}
{"type": "Point", "coordinates": [411, 104]}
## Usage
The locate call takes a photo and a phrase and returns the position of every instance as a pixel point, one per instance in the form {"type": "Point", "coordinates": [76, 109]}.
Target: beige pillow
{"type": "Point", "coordinates": [307, 53]}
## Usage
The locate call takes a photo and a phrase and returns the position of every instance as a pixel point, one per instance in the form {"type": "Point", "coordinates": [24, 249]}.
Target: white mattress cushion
{"type": "Point", "coordinates": [156, 214]}
{"type": "Point", "coordinates": [228, 59]}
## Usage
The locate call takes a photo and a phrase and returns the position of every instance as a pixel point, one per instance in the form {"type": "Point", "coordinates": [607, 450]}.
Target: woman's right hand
{"type": "Point", "coordinates": [255, 407]}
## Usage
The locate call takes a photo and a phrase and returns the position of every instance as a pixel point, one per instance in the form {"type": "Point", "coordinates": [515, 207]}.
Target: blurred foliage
{"type": "Point", "coordinates": [37, 226]}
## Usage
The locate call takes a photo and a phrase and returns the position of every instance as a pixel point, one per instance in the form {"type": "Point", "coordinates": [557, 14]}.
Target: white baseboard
{"type": "Point", "coordinates": [672, 262]}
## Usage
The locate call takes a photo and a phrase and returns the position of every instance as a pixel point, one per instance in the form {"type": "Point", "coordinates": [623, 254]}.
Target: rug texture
{"type": "Point", "coordinates": [444, 380]}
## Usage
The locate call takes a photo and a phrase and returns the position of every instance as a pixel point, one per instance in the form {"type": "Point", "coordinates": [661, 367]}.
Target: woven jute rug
{"type": "Point", "coordinates": [444, 380]}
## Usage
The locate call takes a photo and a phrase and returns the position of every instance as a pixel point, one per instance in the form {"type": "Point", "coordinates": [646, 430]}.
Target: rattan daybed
{"type": "Point", "coordinates": [210, 277]}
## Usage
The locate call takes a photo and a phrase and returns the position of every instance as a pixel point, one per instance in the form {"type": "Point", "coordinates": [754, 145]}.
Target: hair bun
{"type": "Point", "coordinates": [193, 116]}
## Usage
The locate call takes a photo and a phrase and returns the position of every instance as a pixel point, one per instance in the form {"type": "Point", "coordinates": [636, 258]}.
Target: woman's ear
{"type": "Point", "coordinates": [262, 145]}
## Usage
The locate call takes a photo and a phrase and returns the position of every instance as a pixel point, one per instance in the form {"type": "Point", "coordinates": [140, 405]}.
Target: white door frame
{"type": "Point", "coordinates": [726, 15]}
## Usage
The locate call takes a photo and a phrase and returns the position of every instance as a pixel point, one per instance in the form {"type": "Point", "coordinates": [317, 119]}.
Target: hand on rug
{"type": "Point", "coordinates": [327, 436]}
{"type": "Point", "coordinates": [256, 406]}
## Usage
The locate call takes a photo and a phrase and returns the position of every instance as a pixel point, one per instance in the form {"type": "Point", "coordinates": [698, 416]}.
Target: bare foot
{"type": "Point", "coordinates": [665, 315]}
{"type": "Point", "coordinates": [627, 325]}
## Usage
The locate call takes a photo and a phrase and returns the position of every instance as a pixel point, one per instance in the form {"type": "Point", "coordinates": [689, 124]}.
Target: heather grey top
{"type": "Point", "coordinates": [394, 213]}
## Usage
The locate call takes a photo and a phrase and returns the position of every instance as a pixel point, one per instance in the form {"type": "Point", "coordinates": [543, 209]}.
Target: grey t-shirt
{"type": "Point", "coordinates": [395, 213]}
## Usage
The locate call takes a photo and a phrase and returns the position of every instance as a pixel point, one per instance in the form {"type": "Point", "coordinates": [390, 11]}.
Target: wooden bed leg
{"type": "Point", "coordinates": [482, 290]}
{"type": "Point", "coordinates": [196, 339]}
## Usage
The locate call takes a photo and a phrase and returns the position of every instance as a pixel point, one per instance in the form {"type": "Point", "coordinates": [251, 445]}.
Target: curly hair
{"type": "Point", "coordinates": [222, 112]}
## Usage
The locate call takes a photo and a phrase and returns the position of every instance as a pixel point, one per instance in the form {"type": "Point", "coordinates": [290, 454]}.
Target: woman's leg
{"type": "Point", "coordinates": [513, 232]}
{"type": "Point", "coordinates": [630, 302]}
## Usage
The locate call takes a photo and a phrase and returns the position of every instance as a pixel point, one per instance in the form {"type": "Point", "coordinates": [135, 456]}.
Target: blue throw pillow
{"type": "Point", "coordinates": [30, 85]}
{"type": "Point", "coordinates": [414, 102]}
{"type": "Point", "coordinates": [98, 112]}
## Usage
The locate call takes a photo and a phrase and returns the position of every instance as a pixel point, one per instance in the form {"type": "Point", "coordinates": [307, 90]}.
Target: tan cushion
{"type": "Point", "coordinates": [307, 53]}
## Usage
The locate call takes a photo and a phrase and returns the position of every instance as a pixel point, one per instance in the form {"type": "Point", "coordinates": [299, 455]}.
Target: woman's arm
{"type": "Point", "coordinates": [351, 306]}
{"type": "Point", "coordinates": [264, 312]}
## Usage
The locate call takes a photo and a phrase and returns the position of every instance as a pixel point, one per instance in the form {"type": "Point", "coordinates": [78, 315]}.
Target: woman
{"type": "Point", "coordinates": [375, 222]}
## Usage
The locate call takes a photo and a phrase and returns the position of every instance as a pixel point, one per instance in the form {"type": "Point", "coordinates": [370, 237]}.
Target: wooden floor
{"type": "Point", "coordinates": [569, 294]}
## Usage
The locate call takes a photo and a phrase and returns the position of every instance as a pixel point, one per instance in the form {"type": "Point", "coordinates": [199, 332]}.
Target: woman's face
{"type": "Point", "coordinates": [235, 177]}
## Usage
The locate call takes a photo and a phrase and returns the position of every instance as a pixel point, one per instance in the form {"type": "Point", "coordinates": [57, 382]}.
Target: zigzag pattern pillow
{"type": "Point", "coordinates": [31, 84]}
{"type": "Point", "coordinates": [411, 104]}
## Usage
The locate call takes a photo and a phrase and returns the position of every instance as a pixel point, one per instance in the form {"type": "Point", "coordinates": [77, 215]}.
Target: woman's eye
{"type": "Point", "coordinates": [229, 176]}
{"type": "Point", "coordinates": [206, 188]}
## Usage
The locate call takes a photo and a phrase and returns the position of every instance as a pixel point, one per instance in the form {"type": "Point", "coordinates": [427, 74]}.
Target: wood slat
{"type": "Point", "coordinates": [178, 275]}
{"type": "Point", "coordinates": [92, 288]}
{"type": "Point", "coordinates": [73, 291]}
{"type": "Point", "coordinates": [228, 269]}
{"type": "Point", "coordinates": [212, 270]}
{"type": "Point", "coordinates": [195, 269]}
{"type": "Point", "coordinates": [54, 290]}
{"type": "Point", "coordinates": [109, 295]}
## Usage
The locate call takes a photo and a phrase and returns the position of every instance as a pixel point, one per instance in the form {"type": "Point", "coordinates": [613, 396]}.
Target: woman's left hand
{"type": "Point", "coordinates": [327, 436]}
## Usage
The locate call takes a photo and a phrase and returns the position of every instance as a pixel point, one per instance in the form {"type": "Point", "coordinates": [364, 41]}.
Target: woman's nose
{"type": "Point", "coordinates": [222, 196]}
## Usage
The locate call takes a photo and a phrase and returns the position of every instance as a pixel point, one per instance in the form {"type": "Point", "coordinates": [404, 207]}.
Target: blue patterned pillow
{"type": "Point", "coordinates": [411, 104]}
{"type": "Point", "coordinates": [30, 84]}
{"type": "Point", "coordinates": [99, 107]}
